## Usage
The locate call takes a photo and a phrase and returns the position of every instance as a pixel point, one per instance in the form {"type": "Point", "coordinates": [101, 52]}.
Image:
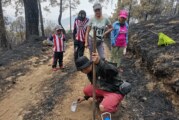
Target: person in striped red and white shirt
{"type": "Point", "coordinates": [80, 26]}
{"type": "Point", "coordinates": [58, 47]}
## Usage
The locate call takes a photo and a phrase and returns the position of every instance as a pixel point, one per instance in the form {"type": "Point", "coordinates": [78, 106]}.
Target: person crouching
{"type": "Point", "coordinates": [58, 47]}
{"type": "Point", "coordinates": [110, 89]}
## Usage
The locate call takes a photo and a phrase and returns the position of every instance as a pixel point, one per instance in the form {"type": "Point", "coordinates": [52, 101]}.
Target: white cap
{"type": "Point", "coordinates": [97, 6]}
{"type": "Point", "coordinates": [58, 27]}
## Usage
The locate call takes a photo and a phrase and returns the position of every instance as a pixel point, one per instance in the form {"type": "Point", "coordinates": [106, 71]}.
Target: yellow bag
{"type": "Point", "coordinates": [165, 40]}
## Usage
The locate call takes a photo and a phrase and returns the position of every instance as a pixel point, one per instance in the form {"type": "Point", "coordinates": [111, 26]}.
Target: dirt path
{"type": "Point", "coordinates": [56, 106]}
{"type": "Point", "coordinates": [26, 92]}
{"type": "Point", "coordinates": [146, 101]}
{"type": "Point", "coordinates": [76, 83]}
{"type": "Point", "coordinates": [43, 95]}
{"type": "Point", "coordinates": [61, 111]}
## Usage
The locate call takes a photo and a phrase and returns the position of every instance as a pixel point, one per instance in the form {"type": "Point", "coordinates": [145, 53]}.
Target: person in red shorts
{"type": "Point", "coordinates": [110, 89]}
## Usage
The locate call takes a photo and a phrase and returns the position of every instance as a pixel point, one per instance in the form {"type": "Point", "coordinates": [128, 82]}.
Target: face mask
{"type": "Point", "coordinates": [81, 16]}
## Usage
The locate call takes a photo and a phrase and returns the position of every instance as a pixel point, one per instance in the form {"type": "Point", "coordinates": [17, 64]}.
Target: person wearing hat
{"type": "Point", "coordinates": [58, 40]}
{"type": "Point", "coordinates": [80, 26]}
{"type": "Point", "coordinates": [119, 39]}
{"type": "Point", "coordinates": [103, 27]}
{"type": "Point", "coordinates": [110, 89]}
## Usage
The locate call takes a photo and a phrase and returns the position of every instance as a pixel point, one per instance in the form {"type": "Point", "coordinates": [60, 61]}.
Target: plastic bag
{"type": "Point", "coordinates": [165, 40]}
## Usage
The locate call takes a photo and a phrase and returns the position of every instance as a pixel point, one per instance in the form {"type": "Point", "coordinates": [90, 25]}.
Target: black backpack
{"type": "Point", "coordinates": [125, 87]}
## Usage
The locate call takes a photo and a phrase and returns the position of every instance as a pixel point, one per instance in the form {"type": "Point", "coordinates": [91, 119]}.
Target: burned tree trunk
{"type": "Point", "coordinates": [41, 19]}
{"type": "Point", "coordinates": [3, 39]}
{"type": "Point", "coordinates": [130, 8]}
{"type": "Point", "coordinates": [60, 15]}
{"type": "Point", "coordinates": [31, 18]}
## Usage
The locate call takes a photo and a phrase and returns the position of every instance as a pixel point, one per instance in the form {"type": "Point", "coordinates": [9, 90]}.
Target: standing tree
{"type": "Point", "coordinates": [60, 14]}
{"type": "Point", "coordinates": [130, 9]}
{"type": "Point", "coordinates": [176, 9]}
{"type": "Point", "coordinates": [171, 7]}
{"type": "Point", "coordinates": [148, 9]}
{"type": "Point", "coordinates": [31, 17]}
{"type": "Point", "coordinates": [63, 4]}
{"type": "Point", "coordinates": [41, 19]}
{"type": "Point", "coordinates": [18, 27]}
{"type": "Point", "coordinates": [66, 4]}
{"type": "Point", "coordinates": [3, 40]}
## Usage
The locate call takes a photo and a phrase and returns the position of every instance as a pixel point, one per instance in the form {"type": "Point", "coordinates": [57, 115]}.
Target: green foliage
{"type": "Point", "coordinates": [65, 4]}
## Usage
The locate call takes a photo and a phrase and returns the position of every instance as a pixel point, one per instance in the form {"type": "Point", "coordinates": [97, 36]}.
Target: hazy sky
{"type": "Point", "coordinates": [53, 15]}
{"type": "Point", "coordinates": [84, 5]}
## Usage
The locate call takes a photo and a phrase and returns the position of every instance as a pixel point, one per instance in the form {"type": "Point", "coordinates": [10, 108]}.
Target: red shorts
{"type": "Point", "coordinates": [110, 100]}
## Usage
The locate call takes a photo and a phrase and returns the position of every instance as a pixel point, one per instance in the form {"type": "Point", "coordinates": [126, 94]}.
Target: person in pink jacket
{"type": "Point", "coordinates": [119, 39]}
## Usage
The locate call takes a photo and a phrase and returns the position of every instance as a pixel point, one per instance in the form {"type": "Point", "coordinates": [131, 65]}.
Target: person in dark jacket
{"type": "Point", "coordinates": [107, 85]}
{"type": "Point", "coordinates": [80, 26]}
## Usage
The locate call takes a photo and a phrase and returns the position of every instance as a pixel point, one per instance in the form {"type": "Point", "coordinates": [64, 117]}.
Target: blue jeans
{"type": "Point", "coordinates": [99, 47]}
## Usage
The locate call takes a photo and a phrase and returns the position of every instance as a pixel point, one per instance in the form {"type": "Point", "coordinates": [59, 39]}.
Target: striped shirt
{"type": "Point", "coordinates": [80, 28]}
{"type": "Point", "coordinates": [59, 45]}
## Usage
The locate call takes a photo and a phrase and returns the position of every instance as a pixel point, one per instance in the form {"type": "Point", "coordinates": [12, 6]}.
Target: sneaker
{"type": "Point", "coordinates": [62, 67]}
{"type": "Point", "coordinates": [55, 69]}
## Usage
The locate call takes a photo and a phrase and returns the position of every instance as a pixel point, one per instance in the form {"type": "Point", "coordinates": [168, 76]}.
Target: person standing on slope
{"type": "Point", "coordinates": [58, 47]}
{"type": "Point", "coordinates": [119, 39]}
{"type": "Point", "coordinates": [80, 27]}
{"type": "Point", "coordinates": [100, 23]}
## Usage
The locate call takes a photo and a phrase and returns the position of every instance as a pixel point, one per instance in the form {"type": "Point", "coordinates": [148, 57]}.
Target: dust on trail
{"type": "Point", "coordinates": [26, 92]}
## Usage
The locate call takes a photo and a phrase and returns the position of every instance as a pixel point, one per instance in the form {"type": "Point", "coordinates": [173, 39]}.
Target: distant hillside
{"type": "Point", "coordinates": [66, 22]}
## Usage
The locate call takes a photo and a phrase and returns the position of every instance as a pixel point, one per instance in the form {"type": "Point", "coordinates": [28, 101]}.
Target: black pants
{"type": "Point", "coordinates": [79, 49]}
{"type": "Point", "coordinates": [57, 57]}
